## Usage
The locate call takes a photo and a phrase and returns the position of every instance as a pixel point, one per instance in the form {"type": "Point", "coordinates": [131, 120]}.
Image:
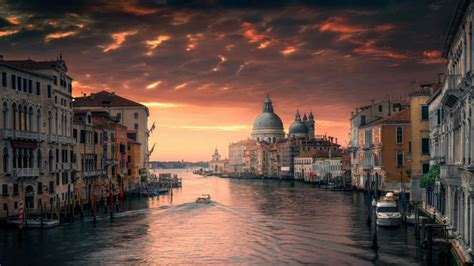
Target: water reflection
{"type": "Point", "coordinates": [249, 221]}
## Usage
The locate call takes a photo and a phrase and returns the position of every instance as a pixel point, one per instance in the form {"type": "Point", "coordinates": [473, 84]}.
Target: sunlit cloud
{"type": "Point", "coordinates": [132, 7]}
{"type": "Point", "coordinates": [118, 39]}
{"type": "Point", "coordinates": [370, 48]}
{"type": "Point", "coordinates": [193, 40]}
{"type": "Point", "coordinates": [160, 105]}
{"type": "Point", "coordinates": [180, 19]}
{"type": "Point", "coordinates": [59, 35]}
{"type": "Point", "coordinates": [153, 85]}
{"type": "Point", "coordinates": [288, 50]}
{"type": "Point", "coordinates": [222, 60]}
{"type": "Point", "coordinates": [181, 86]}
{"type": "Point", "coordinates": [152, 44]}
{"type": "Point", "coordinates": [264, 44]}
{"type": "Point", "coordinates": [8, 32]}
{"type": "Point", "coordinates": [15, 20]}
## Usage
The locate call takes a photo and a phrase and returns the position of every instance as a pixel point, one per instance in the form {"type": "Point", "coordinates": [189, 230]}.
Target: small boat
{"type": "Point", "coordinates": [387, 211]}
{"type": "Point", "coordinates": [411, 219]}
{"type": "Point", "coordinates": [36, 223]}
{"type": "Point", "coordinates": [204, 199]}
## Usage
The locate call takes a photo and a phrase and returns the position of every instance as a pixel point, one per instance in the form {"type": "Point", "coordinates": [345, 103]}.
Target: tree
{"type": "Point", "coordinates": [428, 179]}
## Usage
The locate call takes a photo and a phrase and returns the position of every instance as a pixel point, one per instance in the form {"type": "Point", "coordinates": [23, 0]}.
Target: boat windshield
{"type": "Point", "coordinates": [387, 209]}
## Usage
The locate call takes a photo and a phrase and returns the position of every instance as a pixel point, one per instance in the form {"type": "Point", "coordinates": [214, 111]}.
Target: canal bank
{"type": "Point", "coordinates": [249, 221]}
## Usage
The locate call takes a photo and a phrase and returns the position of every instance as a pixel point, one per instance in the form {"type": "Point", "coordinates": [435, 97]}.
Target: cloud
{"type": "Point", "coordinates": [152, 44]}
{"type": "Point", "coordinates": [209, 128]}
{"type": "Point", "coordinates": [59, 35]}
{"type": "Point", "coordinates": [160, 105]}
{"type": "Point", "coordinates": [288, 50]}
{"type": "Point", "coordinates": [153, 85]}
{"type": "Point", "coordinates": [118, 40]}
{"type": "Point", "coordinates": [371, 49]}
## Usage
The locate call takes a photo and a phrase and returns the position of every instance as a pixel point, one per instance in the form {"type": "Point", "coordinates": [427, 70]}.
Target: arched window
{"type": "Point", "coordinates": [399, 135]}
{"type": "Point", "coordinates": [399, 159]}
{"type": "Point", "coordinates": [50, 161]}
{"type": "Point", "coordinates": [39, 159]}
{"type": "Point", "coordinates": [15, 158]}
{"type": "Point", "coordinates": [25, 118]}
{"type": "Point", "coordinates": [5, 160]}
{"type": "Point", "coordinates": [30, 120]}
{"type": "Point", "coordinates": [50, 123]}
{"type": "Point", "coordinates": [5, 115]}
{"type": "Point", "coordinates": [14, 116]}
{"type": "Point", "coordinates": [38, 121]}
{"type": "Point", "coordinates": [56, 125]}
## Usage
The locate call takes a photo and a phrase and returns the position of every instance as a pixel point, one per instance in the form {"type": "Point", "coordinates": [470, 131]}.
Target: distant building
{"type": "Point", "coordinates": [326, 169]}
{"type": "Point", "coordinates": [304, 166]}
{"type": "Point", "coordinates": [268, 125]}
{"type": "Point", "coordinates": [216, 165]}
{"type": "Point", "coordinates": [243, 157]}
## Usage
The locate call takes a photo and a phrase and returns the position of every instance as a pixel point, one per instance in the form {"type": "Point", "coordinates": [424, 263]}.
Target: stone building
{"type": "Point", "coordinates": [216, 165]}
{"type": "Point", "coordinates": [452, 133]}
{"type": "Point", "coordinates": [131, 114]}
{"type": "Point", "coordinates": [243, 157]}
{"type": "Point", "coordinates": [35, 137]}
{"type": "Point", "coordinates": [362, 116]}
{"type": "Point", "coordinates": [384, 148]}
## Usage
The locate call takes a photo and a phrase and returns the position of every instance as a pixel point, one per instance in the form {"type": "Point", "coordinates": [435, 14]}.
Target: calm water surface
{"type": "Point", "coordinates": [249, 222]}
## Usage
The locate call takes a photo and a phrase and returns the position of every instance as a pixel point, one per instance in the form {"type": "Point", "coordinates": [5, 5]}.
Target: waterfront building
{"type": "Point", "coordinates": [268, 125]}
{"type": "Point", "coordinates": [243, 157]}
{"type": "Point", "coordinates": [131, 114]}
{"type": "Point", "coordinates": [362, 116]}
{"type": "Point", "coordinates": [35, 137]}
{"type": "Point", "coordinates": [452, 134]}
{"type": "Point", "coordinates": [304, 166]}
{"type": "Point", "coordinates": [384, 146]}
{"type": "Point", "coordinates": [420, 138]}
{"type": "Point", "coordinates": [216, 165]}
{"type": "Point", "coordinates": [133, 164]}
{"type": "Point", "coordinates": [326, 169]}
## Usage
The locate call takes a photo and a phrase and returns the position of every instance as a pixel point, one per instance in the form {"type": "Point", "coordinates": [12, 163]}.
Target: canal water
{"type": "Point", "coordinates": [248, 222]}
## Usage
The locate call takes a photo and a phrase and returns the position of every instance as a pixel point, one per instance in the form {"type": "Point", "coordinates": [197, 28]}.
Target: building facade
{"type": "Point", "coordinates": [36, 136]}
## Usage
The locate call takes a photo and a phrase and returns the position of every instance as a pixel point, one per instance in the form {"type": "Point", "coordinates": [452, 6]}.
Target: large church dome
{"type": "Point", "coordinates": [268, 125]}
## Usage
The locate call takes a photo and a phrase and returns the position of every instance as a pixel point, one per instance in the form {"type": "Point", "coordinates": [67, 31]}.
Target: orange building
{"type": "Point", "coordinates": [385, 146]}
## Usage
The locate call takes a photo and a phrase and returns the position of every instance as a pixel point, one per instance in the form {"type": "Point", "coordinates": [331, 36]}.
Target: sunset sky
{"type": "Point", "coordinates": [204, 67]}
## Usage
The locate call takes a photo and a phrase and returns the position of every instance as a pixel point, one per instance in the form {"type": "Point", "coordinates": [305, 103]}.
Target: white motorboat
{"type": "Point", "coordinates": [387, 211]}
{"type": "Point", "coordinates": [204, 199]}
{"type": "Point", "coordinates": [36, 223]}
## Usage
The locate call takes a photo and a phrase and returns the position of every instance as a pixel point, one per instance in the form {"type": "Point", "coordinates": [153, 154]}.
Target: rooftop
{"type": "Point", "coordinates": [103, 99]}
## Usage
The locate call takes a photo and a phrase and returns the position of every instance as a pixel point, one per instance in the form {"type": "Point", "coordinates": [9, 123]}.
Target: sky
{"type": "Point", "coordinates": [203, 67]}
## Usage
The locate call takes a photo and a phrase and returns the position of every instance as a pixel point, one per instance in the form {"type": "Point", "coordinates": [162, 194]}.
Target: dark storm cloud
{"type": "Point", "coordinates": [312, 53]}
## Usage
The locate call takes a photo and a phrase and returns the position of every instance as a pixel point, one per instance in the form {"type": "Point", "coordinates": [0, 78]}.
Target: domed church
{"type": "Point", "coordinates": [268, 125]}
{"type": "Point", "coordinates": [302, 128]}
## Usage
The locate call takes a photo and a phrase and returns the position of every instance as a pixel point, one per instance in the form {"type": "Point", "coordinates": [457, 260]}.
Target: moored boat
{"type": "Point", "coordinates": [36, 223]}
{"type": "Point", "coordinates": [387, 211]}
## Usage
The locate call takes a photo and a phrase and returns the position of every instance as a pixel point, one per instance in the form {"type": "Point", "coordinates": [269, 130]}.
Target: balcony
{"type": "Point", "coordinates": [27, 172]}
{"type": "Point", "coordinates": [91, 173]}
{"type": "Point", "coordinates": [449, 172]}
{"type": "Point", "coordinates": [60, 139]}
{"type": "Point", "coordinates": [22, 135]}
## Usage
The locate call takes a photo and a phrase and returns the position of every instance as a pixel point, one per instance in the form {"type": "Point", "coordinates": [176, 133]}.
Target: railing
{"type": "Point", "coordinates": [22, 134]}
{"type": "Point", "coordinates": [27, 172]}
{"type": "Point", "coordinates": [60, 139]}
{"type": "Point", "coordinates": [88, 173]}
{"type": "Point", "coordinates": [449, 171]}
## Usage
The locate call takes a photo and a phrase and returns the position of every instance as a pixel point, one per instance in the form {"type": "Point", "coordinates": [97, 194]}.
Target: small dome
{"type": "Point", "coordinates": [297, 127]}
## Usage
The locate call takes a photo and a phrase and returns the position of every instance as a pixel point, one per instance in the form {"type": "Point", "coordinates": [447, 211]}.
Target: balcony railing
{"type": "Point", "coordinates": [22, 134]}
{"type": "Point", "coordinates": [449, 171]}
{"type": "Point", "coordinates": [60, 139]}
{"type": "Point", "coordinates": [89, 173]}
{"type": "Point", "coordinates": [27, 172]}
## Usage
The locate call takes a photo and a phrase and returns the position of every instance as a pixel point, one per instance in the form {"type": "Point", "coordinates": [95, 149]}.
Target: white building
{"type": "Point", "coordinates": [303, 165]}
{"type": "Point", "coordinates": [36, 135]}
{"type": "Point", "coordinates": [268, 125]}
{"type": "Point", "coordinates": [452, 132]}
{"type": "Point", "coordinates": [327, 168]}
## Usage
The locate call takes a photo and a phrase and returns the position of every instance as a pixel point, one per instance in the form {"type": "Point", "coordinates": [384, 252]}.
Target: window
{"type": "Point", "coordinates": [82, 137]}
{"type": "Point", "coordinates": [30, 86]}
{"type": "Point", "coordinates": [362, 120]}
{"type": "Point", "coordinates": [18, 87]}
{"type": "Point", "coordinates": [40, 188]}
{"type": "Point", "coordinates": [38, 88]}
{"type": "Point", "coordinates": [4, 79]}
{"type": "Point", "coordinates": [426, 168]}
{"type": "Point", "coordinates": [25, 85]}
{"type": "Point", "coordinates": [368, 137]}
{"type": "Point", "coordinates": [15, 189]}
{"type": "Point", "coordinates": [74, 133]}
{"type": "Point", "coordinates": [14, 82]}
{"type": "Point", "coordinates": [399, 159]}
{"type": "Point", "coordinates": [399, 135]}
{"type": "Point", "coordinates": [438, 116]}
{"type": "Point", "coordinates": [5, 190]}
{"type": "Point", "coordinates": [49, 92]}
{"type": "Point", "coordinates": [380, 108]}
{"type": "Point", "coordinates": [55, 80]}
{"type": "Point", "coordinates": [51, 187]}
{"type": "Point", "coordinates": [425, 146]}
{"type": "Point", "coordinates": [409, 147]}
{"type": "Point", "coordinates": [5, 160]}
{"type": "Point", "coordinates": [135, 115]}
{"type": "Point", "coordinates": [136, 126]}
{"type": "Point", "coordinates": [424, 113]}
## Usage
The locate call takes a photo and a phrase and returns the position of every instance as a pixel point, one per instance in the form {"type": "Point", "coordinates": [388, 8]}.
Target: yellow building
{"type": "Point", "coordinates": [133, 162]}
{"type": "Point", "coordinates": [419, 149]}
